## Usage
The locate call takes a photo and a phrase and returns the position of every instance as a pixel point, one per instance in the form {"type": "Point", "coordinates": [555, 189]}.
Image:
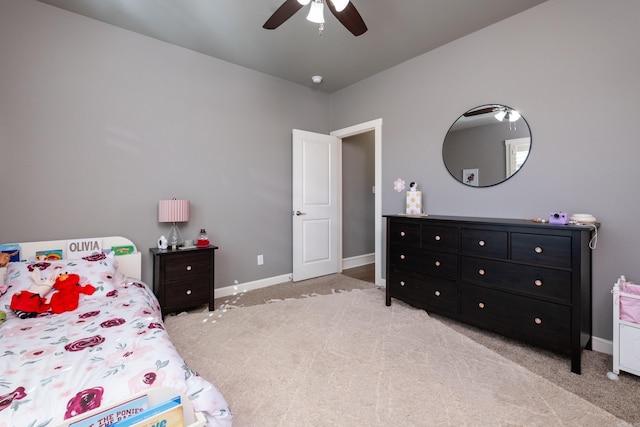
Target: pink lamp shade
{"type": "Point", "coordinates": [173, 210]}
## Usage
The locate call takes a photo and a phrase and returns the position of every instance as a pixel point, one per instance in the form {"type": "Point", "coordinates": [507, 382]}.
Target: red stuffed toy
{"type": "Point", "coordinates": [28, 304]}
{"type": "Point", "coordinates": [68, 293]}
{"type": "Point", "coordinates": [32, 302]}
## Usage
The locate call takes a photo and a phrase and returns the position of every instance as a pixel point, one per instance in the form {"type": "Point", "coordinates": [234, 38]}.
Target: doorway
{"type": "Point", "coordinates": [317, 201]}
{"type": "Point", "coordinates": [374, 126]}
{"type": "Point", "coordinates": [358, 203]}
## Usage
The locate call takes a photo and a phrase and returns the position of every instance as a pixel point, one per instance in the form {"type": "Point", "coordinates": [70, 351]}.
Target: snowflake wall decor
{"type": "Point", "coordinates": [398, 185]}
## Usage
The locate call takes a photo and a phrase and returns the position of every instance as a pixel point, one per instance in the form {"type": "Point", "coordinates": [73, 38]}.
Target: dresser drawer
{"type": "Point", "coordinates": [439, 238]}
{"type": "Point", "coordinates": [523, 318]}
{"type": "Point", "coordinates": [405, 233]}
{"type": "Point", "coordinates": [538, 282]}
{"type": "Point", "coordinates": [487, 243]}
{"type": "Point", "coordinates": [433, 293]}
{"type": "Point", "coordinates": [191, 293]}
{"type": "Point", "coordinates": [541, 249]}
{"type": "Point", "coordinates": [184, 267]}
{"type": "Point", "coordinates": [435, 263]}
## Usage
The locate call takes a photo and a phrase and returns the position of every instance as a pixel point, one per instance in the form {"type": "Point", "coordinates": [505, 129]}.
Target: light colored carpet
{"type": "Point", "coordinates": [346, 359]}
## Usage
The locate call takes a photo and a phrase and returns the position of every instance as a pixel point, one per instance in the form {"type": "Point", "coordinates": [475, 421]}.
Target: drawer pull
{"type": "Point", "coordinates": [402, 234]}
{"type": "Point", "coordinates": [482, 243]}
{"type": "Point", "coordinates": [188, 292]}
{"type": "Point", "coordinates": [538, 282]}
{"type": "Point", "coordinates": [538, 321]}
{"type": "Point", "coordinates": [538, 250]}
{"type": "Point", "coordinates": [437, 293]}
{"type": "Point", "coordinates": [437, 238]}
{"type": "Point", "coordinates": [481, 272]}
{"type": "Point", "coordinates": [188, 268]}
{"type": "Point", "coordinates": [437, 263]}
{"type": "Point", "coordinates": [402, 283]}
{"type": "Point", "coordinates": [402, 256]}
{"type": "Point", "coordinates": [481, 305]}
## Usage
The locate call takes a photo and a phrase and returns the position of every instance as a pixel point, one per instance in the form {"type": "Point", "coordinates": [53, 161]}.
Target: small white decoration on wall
{"type": "Point", "coordinates": [398, 185]}
{"type": "Point", "coordinates": [470, 177]}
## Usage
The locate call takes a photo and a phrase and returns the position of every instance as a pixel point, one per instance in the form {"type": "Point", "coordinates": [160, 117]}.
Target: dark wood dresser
{"type": "Point", "coordinates": [183, 279]}
{"type": "Point", "coordinates": [525, 280]}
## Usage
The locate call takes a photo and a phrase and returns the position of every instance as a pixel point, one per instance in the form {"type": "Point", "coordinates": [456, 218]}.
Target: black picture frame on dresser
{"type": "Point", "coordinates": [524, 280]}
{"type": "Point", "coordinates": [184, 278]}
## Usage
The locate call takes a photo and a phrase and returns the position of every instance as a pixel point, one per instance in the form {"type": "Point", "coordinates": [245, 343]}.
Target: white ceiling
{"type": "Point", "coordinates": [231, 30]}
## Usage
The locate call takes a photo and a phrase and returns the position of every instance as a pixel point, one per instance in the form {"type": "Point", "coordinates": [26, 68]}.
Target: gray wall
{"type": "Point", "coordinates": [97, 124]}
{"type": "Point", "coordinates": [571, 68]}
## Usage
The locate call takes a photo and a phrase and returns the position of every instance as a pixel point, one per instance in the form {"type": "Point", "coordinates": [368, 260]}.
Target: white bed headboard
{"type": "Point", "coordinates": [130, 265]}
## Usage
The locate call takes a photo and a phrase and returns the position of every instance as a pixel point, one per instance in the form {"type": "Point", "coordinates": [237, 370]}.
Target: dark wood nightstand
{"type": "Point", "coordinates": [183, 279]}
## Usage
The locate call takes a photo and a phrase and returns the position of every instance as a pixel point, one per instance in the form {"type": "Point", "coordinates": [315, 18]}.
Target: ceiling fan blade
{"type": "Point", "coordinates": [350, 18]}
{"type": "Point", "coordinates": [284, 12]}
{"type": "Point", "coordinates": [481, 111]}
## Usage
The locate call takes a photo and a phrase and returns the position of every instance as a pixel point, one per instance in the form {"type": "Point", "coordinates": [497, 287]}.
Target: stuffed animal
{"type": "Point", "coordinates": [32, 302]}
{"type": "Point", "coordinates": [68, 293]}
{"type": "Point", "coordinates": [43, 286]}
{"type": "Point", "coordinates": [26, 304]}
{"type": "Point", "coordinates": [5, 258]}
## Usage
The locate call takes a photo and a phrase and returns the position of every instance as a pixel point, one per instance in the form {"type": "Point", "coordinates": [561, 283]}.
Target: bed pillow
{"type": "Point", "coordinates": [99, 270]}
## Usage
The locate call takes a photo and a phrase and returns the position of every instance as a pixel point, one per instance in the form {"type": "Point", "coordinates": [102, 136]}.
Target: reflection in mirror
{"type": "Point", "coordinates": [486, 145]}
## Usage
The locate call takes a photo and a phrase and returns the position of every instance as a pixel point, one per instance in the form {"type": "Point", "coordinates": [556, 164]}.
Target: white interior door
{"type": "Point", "coordinates": [315, 204]}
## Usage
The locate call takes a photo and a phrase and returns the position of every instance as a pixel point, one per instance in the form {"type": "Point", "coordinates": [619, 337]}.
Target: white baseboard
{"type": "Point", "coordinates": [249, 286]}
{"type": "Point", "coordinates": [358, 261]}
{"type": "Point", "coordinates": [602, 345]}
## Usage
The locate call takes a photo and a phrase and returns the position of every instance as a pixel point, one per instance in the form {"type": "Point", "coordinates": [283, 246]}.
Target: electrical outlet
{"type": "Point", "coordinates": [260, 260]}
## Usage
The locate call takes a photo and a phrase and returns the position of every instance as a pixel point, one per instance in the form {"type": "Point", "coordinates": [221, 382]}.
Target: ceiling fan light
{"type": "Point", "coordinates": [339, 4]}
{"type": "Point", "coordinates": [316, 12]}
{"type": "Point", "coordinates": [500, 115]}
{"type": "Point", "coordinates": [304, 2]}
{"type": "Point", "coordinates": [514, 116]}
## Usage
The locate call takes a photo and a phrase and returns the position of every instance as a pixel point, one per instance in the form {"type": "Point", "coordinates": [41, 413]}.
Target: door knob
{"type": "Point", "coordinates": [298, 213]}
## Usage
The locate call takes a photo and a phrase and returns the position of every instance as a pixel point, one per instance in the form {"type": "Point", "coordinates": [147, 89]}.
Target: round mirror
{"type": "Point", "coordinates": [486, 145]}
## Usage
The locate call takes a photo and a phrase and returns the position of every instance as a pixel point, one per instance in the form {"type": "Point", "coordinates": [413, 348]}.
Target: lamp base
{"type": "Point", "coordinates": [174, 239]}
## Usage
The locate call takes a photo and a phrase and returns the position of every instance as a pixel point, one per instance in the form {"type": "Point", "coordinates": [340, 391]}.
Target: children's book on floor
{"type": "Point", "coordinates": [166, 414]}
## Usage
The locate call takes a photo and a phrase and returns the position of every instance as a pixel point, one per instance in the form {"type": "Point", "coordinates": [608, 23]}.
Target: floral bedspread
{"type": "Point", "coordinates": [57, 366]}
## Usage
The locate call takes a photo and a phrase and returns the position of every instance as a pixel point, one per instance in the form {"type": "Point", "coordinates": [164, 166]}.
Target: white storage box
{"type": "Point", "coordinates": [626, 327]}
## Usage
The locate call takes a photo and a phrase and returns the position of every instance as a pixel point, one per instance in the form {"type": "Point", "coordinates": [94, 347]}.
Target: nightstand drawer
{"type": "Point", "coordinates": [187, 294]}
{"type": "Point", "coordinates": [186, 267]}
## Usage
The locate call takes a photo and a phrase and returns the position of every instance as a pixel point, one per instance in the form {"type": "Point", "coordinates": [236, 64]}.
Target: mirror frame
{"type": "Point", "coordinates": [481, 117]}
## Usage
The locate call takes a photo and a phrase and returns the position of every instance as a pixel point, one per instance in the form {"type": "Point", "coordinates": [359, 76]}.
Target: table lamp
{"type": "Point", "coordinates": [173, 211]}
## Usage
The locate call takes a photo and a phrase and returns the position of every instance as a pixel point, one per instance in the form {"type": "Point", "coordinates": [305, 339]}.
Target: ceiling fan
{"type": "Point", "coordinates": [486, 110]}
{"type": "Point", "coordinates": [501, 111]}
{"type": "Point", "coordinates": [343, 10]}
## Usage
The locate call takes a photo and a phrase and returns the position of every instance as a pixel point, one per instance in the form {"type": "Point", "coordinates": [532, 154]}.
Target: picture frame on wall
{"type": "Point", "coordinates": [470, 177]}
